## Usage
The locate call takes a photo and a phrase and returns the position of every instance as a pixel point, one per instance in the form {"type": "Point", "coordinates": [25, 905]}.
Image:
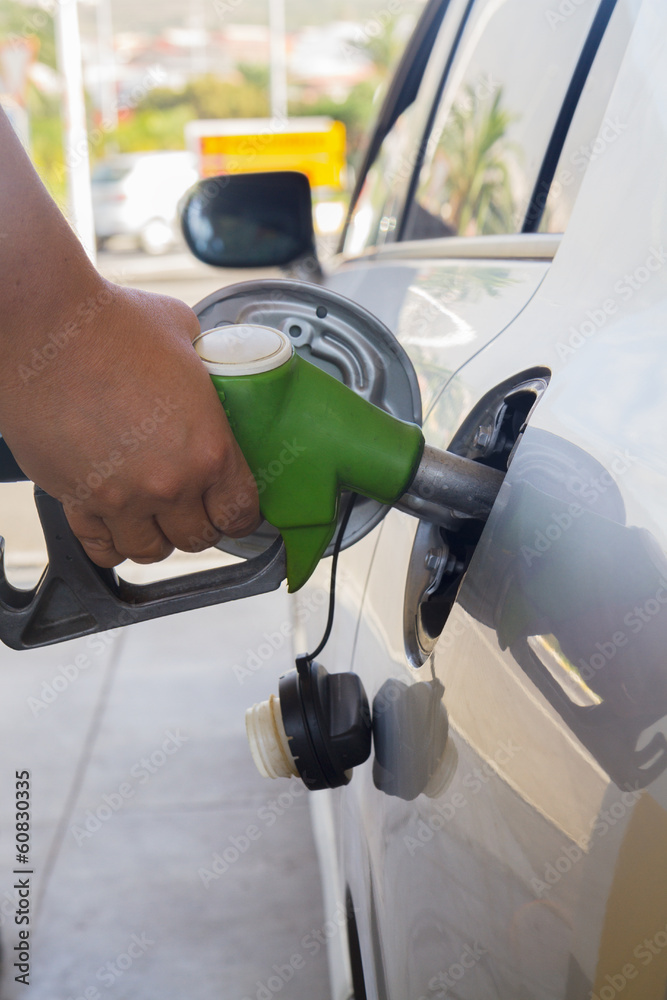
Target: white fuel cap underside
{"type": "Point", "coordinates": [243, 349]}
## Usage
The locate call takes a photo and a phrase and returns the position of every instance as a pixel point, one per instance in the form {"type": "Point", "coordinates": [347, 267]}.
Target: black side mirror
{"type": "Point", "coordinates": [249, 220]}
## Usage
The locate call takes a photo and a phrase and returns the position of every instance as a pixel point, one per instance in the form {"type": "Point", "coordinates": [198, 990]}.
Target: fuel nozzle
{"type": "Point", "coordinates": [307, 437]}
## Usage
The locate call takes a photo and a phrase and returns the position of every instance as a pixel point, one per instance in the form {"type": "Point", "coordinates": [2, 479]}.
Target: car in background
{"type": "Point", "coordinates": [137, 195]}
{"type": "Point", "coordinates": [507, 838]}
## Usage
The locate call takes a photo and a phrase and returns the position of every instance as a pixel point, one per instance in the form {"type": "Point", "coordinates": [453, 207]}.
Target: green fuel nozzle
{"type": "Point", "coordinates": [307, 437]}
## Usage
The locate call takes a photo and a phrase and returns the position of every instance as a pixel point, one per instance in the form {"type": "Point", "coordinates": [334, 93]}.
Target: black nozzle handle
{"type": "Point", "coordinates": [75, 597]}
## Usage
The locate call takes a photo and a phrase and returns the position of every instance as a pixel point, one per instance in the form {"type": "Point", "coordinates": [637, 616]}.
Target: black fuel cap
{"type": "Point", "coordinates": [327, 721]}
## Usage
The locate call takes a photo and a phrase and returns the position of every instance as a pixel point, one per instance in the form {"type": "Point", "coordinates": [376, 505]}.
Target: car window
{"type": "Point", "coordinates": [591, 132]}
{"type": "Point", "coordinates": [369, 221]}
{"type": "Point", "coordinates": [372, 219]}
{"type": "Point", "coordinates": [497, 113]}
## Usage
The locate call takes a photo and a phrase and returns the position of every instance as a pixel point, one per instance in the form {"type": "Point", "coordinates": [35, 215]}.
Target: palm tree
{"type": "Point", "coordinates": [474, 158]}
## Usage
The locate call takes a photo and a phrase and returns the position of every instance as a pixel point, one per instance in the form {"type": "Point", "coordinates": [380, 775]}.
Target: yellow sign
{"type": "Point", "coordinates": [314, 147]}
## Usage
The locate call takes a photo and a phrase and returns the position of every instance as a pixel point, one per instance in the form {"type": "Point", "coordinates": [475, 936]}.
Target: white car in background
{"type": "Point", "coordinates": [507, 839]}
{"type": "Point", "coordinates": [137, 195]}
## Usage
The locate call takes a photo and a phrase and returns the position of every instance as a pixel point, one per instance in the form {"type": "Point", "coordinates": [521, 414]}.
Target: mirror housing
{"type": "Point", "coordinates": [250, 220]}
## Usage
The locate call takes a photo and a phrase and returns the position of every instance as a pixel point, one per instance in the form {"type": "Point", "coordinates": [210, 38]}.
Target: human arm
{"type": "Point", "coordinates": [103, 401]}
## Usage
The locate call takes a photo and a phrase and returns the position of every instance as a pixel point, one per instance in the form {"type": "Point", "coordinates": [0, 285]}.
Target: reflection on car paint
{"type": "Point", "coordinates": [566, 567]}
{"type": "Point", "coordinates": [410, 737]}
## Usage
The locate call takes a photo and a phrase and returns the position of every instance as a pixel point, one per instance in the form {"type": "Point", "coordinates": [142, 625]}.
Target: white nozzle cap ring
{"type": "Point", "coordinates": [243, 349]}
{"type": "Point", "coordinates": [268, 740]}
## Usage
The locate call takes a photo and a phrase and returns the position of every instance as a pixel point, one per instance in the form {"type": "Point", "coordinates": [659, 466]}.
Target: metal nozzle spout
{"type": "Point", "coordinates": [445, 482]}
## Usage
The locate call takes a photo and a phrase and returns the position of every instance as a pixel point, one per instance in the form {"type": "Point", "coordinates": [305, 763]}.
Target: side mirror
{"type": "Point", "coordinates": [249, 220]}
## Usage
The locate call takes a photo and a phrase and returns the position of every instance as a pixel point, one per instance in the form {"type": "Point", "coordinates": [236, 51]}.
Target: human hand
{"type": "Point", "coordinates": [113, 413]}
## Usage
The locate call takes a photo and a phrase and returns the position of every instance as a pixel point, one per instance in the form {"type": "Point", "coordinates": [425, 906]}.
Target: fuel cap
{"type": "Point", "coordinates": [319, 727]}
{"type": "Point", "coordinates": [243, 349]}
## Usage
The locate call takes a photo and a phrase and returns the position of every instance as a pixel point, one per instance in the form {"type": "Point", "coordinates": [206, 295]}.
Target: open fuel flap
{"type": "Point", "coordinates": [442, 550]}
{"type": "Point", "coordinates": [341, 338]}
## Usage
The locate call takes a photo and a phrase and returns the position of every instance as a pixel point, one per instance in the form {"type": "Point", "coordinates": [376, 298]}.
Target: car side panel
{"type": "Point", "coordinates": [534, 874]}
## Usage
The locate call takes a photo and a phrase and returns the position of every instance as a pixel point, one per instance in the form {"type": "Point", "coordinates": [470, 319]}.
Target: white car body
{"type": "Point", "coordinates": [539, 870]}
{"type": "Point", "coordinates": [137, 195]}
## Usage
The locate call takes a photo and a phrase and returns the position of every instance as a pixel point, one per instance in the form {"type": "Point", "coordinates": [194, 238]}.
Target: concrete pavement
{"type": "Point", "coordinates": [164, 865]}
{"type": "Point", "coordinates": [141, 782]}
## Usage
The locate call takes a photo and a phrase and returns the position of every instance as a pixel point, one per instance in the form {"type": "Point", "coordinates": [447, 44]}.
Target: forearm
{"type": "Point", "coordinates": [82, 363]}
{"type": "Point", "coordinates": [44, 271]}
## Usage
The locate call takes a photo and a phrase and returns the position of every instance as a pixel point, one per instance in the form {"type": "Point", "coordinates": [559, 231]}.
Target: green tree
{"type": "Point", "coordinates": [215, 98]}
{"type": "Point", "coordinates": [46, 139]}
{"type": "Point", "coordinates": [255, 74]}
{"type": "Point", "coordinates": [383, 42]}
{"type": "Point", "coordinates": [382, 39]}
{"type": "Point", "coordinates": [356, 113]}
{"type": "Point", "coordinates": [210, 97]}
{"type": "Point", "coordinates": [23, 21]}
{"type": "Point", "coordinates": [146, 130]}
{"type": "Point", "coordinates": [475, 157]}
{"type": "Point", "coordinates": [158, 121]}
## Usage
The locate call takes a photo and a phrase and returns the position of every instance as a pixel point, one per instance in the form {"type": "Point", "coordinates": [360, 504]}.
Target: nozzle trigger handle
{"type": "Point", "coordinates": [74, 597]}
